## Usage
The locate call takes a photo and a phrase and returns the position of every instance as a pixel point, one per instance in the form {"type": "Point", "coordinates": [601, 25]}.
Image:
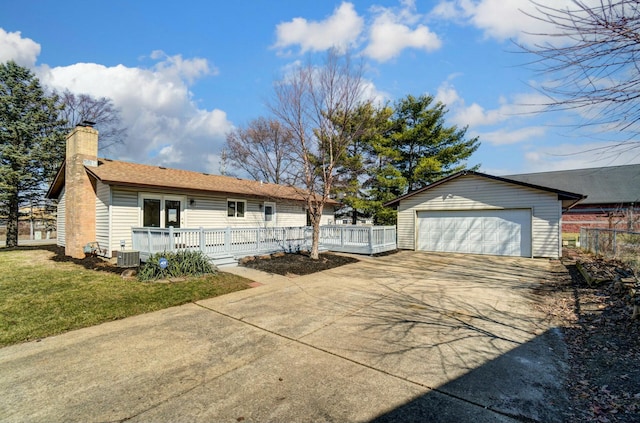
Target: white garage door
{"type": "Point", "coordinates": [495, 232]}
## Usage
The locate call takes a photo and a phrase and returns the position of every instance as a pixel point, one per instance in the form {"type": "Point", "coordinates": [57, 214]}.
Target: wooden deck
{"type": "Point", "coordinates": [226, 245]}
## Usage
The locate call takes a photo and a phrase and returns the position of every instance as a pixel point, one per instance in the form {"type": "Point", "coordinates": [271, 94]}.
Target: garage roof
{"type": "Point", "coordinates": [569, 199]}
{"type": "Point", "coordinates": [603, 185]}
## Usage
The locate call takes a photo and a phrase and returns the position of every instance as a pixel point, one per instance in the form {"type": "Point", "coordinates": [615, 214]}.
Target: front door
{"type": "Point", "coordinates": [172, 213]}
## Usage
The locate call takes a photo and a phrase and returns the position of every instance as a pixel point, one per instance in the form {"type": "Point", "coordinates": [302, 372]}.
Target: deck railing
{"type": "Point", "coordinates": [240, 242]}
{"type": "Point", "coordinates": [358, 239]}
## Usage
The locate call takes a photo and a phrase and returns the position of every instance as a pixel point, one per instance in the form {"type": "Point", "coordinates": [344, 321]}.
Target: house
{"type": "Point", "coordinates": [101, 200]}
{"type": "Point", "coordinates": [362, 221]}
{"type": "Point", "coordinates": [613, 196]}
{"type": "Point", "coordinates": [472, 212]}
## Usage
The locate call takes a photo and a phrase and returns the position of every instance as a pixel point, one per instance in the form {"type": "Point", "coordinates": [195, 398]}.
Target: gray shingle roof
{"type": "Point", "coordinates": [601, 185]}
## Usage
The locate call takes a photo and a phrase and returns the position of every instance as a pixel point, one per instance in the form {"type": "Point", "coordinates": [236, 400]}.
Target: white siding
{"type": "Point", "coordinates": [471, 192]}
{"type": "Point", "coordinates": [211, 212]}
{"type": "Point", "coordinates": [124, 216]}
{"type": "Point", "coordinates": [60, 219]}
{"type": "Point", "coordinates": [290, 214]}
{"type": "Point", "coordinates": [103, 194]}
{"type": "Point", "coordinates": [328, 216]}
{"type": "Point", "coordinates": [206, 212]}
{"type": "Point", "coordinates": [203, 211]}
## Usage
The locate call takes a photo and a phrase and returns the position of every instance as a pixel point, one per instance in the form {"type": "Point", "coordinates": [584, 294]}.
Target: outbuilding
{"type": "Point", "coordinates": [476, 213]}
{"type": "Point", "coordinates": [613, 196]}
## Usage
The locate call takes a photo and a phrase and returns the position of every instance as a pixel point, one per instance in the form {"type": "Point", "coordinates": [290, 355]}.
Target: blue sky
{"type": "Point", "coordinates": [185, 73]}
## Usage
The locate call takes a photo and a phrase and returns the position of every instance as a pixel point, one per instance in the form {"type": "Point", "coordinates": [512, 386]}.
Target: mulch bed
{"type": "Point", "coordinates": [298, 264]}
{"type": "Point", "coordinates": [603, 341]}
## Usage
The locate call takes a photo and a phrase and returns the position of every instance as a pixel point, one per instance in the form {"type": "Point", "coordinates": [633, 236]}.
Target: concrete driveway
{"type": "Point", "coordinates": [406, 337]}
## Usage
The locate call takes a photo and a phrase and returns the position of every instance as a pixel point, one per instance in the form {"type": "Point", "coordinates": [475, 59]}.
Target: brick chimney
{"type": "Point", "coordinates": [80, 194]}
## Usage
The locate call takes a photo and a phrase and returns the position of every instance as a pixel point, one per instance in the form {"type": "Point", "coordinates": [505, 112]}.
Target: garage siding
{"type": "Point", "coordinates": [470, 192]}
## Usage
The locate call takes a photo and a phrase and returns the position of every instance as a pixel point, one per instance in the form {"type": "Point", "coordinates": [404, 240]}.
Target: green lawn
{"type": "Point", "coordinates": [40, 297]}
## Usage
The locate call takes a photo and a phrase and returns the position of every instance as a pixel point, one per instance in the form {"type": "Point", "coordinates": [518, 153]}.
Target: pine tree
{"type": "Point", "coordinates": [428, 150]}
{"type": "Point", "coordinates": [31, 142]}
{"type": "Point", "coordinates": [366, 127]}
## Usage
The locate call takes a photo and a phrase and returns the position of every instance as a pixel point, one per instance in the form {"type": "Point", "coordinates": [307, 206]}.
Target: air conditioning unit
{"type": "Point", "coordinates": [128, 258]}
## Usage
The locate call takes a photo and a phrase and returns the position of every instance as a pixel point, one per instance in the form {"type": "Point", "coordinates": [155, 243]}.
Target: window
{"type": "Point", "coordinates": [151, 212]}
{"type": "Point", "coordinates": [161, 211]}
{"type": "Point", "coordinates": [268, 213]}
{"type": "Point", "coordinates": [235, 208]}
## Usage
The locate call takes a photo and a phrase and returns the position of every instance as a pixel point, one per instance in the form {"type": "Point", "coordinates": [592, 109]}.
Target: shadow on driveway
{"type": "Point", "coordinates": [523, 385]}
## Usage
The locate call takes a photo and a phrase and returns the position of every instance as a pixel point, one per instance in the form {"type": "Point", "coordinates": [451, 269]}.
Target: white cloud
{"type": "Point", "coordinates": [340, 30]}
{"type": "Point", "coordinates": [447, 94]}
{"type": "Point", "coordinates": [583, 155]}
{"type": "Point", "coordinates": [165, 126]}
{"type": "Point", "coordinates": [512, 116]}
{"type": "Point", "coordinates": [393, 31]}
{"type": "Point", "coordinates": [501, 20]}
{"type": "Point", "coordinates": [521, 105]}
{"type": "Point", "coordinates": [24, 51]}
{"type": "Point", "coordinates": [188, 69]}
{"type": "Point", "coordinates": [371, 92]}
{"type": "Point", "coordinates": [512, 136]}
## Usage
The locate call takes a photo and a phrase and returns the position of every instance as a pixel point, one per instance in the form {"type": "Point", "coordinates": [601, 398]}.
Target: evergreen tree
{"type": "Point", "coordinates": [31, 142]}
{"type": "Point", "coordinates": [386, 181]}
{"type": "Point", "coordinates": [427, 149]}
{"type": "Point", "coordinates": [366, 127]}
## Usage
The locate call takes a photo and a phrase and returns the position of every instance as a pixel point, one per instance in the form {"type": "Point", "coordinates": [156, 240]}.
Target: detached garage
{"type": "Point", "coordinates": [476, 213]}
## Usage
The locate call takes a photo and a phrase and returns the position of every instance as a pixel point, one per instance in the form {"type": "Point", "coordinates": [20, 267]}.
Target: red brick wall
{"type": "Point", "coordinates": [601, 216]}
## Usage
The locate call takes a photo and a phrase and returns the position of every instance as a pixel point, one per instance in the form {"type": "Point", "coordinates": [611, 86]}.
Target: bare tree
{"type": "Point", "coordinates": [264, 150]}
{"type": "Point", "coordinates": [101, 111]}
{"type": "Point", "coordinates": [314, 104]}
{"type": "Point", "coordinates": [593, 57]}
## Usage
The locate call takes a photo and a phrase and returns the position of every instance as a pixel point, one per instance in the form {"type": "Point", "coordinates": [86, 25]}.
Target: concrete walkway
{"type": "Point", "coordinates": [406, 337]}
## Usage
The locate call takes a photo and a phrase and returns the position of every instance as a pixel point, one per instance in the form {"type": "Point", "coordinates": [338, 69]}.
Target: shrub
{"type": "Point", "coordinates": [182, 263]}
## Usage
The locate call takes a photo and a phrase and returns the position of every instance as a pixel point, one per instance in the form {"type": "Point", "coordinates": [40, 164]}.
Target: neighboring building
{"type": "Point", "coordinates": [362, 221]}
{"type": "Point", "coordinates": [613, 196]}
{"type": "Point", "coordinates": [472, 212]}
{"type": "Point", "coordinates": [101, 200]}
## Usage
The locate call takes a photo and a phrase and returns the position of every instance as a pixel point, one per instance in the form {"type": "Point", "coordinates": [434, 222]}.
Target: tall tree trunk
{"type": "Point", "coordinates": [12, 222]}
{"type": "Point", "coordinates": [314, 254]}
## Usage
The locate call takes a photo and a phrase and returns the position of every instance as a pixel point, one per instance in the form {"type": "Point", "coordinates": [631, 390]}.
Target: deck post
{"type": "Point", "coordinates": [203, 244]}
{"type": "Point", "coordinates": [258, 239]}
{"type": "Point", "coordinates": [227, 239]}
{"type": "Point", "coordinates": [149, 241]}
{"type": "Point", "coordinates": [371, 239]}
{"type": "Point", "coordinates": [171, 240]}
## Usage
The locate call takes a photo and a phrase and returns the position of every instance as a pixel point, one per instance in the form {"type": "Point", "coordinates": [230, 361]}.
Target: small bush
{"type": "Point", "coordinates": [182, 263]}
